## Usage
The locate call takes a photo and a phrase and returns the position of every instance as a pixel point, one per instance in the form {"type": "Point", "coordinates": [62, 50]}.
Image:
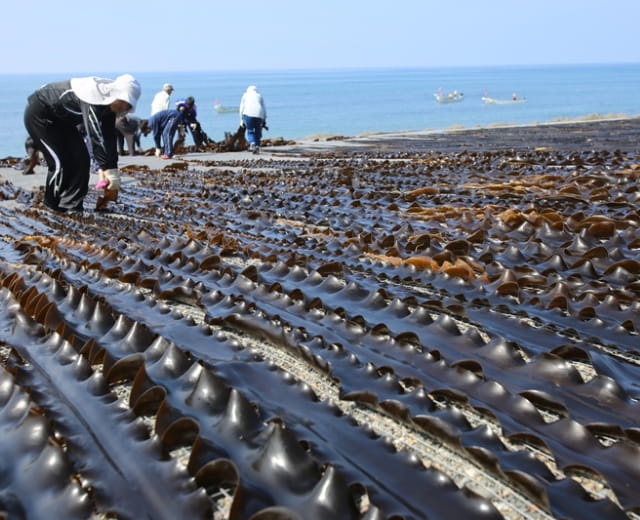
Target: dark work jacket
{"type": "Point", "coordinates": [59, 103]}
{"type": "Point", "coordinates": [127, 125]}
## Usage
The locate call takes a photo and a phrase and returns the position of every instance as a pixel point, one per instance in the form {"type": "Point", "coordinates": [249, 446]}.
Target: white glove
{"type": "Point", "coordinates": [113, 176]}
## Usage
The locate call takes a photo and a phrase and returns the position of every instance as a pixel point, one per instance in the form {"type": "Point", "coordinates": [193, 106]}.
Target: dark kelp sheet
{"type": "Point", "coordinates": [356, 334]}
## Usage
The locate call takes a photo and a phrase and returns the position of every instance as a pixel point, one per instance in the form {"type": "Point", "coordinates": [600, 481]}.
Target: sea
{"type": "Point", "coordinates": [350, 102]}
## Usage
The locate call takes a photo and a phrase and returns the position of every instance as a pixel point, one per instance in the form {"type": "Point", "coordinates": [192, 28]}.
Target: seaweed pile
{"type": "Point", "coordinates": [362, 335]}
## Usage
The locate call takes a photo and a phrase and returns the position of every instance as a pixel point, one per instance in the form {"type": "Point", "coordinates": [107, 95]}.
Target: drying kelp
{"type": "Point", "coordinates": [371, 334]}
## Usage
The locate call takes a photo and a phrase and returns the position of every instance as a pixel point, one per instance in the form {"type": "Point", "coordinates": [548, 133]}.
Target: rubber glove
{"type": "Point", "coordinates": [113, 177]}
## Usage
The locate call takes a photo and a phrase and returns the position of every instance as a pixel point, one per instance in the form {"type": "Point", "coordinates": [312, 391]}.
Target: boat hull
{"type": "Point", "coordinates": [493, 101]}
{"type": "Point", "coordinates": [224, 110]}
{"type": "Point", "coordinates": [444, 99]}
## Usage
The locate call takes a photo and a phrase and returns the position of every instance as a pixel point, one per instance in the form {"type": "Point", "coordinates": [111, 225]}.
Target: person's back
{"type": "Point", "coordinates": [128, 128]}
{"type": "Point", "coordinates": [253, 117]}
{"type": "Point", "coordinates": [164, 124]}
{"type": "Point", "coordinates": [252, 104]}
{"type": "Point", "coordinates": [161, 99]}
{"type": "Point", "coordinates": [160, 117]}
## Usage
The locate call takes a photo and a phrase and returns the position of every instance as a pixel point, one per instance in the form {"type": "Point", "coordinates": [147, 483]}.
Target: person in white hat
{"type": "Point", "coordinates": [72, 122]}
{"type": "Point", "coordinates": [161, 99]}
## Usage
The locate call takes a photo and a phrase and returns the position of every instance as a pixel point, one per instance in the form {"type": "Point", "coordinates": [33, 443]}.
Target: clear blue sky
{"type": "Point", "coordinates": [137, 35]}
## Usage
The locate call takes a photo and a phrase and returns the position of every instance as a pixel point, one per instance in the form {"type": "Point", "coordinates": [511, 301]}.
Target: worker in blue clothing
{"type": "Point", "coordinates": [164, 125]}
{"type": "Point", "coordinates": [190, 112]}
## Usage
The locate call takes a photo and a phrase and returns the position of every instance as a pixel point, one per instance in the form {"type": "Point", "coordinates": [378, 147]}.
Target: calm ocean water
{"type": "Point", "coordinates": [349, 102]}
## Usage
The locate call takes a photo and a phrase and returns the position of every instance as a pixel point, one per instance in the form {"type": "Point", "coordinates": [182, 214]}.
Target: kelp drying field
{"type": "Point", "coordinates": [368, 333]}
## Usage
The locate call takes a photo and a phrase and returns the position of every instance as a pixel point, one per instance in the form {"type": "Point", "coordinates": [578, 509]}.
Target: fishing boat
{"type": "Point", "coordinates": [451, 97]}
{"type": "Point", "coordinates": [221, 109]}
{"type": "Point", "coordinates": [515, 100]}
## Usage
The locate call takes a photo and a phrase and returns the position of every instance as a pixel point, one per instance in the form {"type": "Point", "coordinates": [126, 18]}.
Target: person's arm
{"type": "Point", "coordinates": [100, 127]}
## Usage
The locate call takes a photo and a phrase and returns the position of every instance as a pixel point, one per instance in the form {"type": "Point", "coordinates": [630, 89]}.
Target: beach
{"type": "Point", "coordinates": [387, 325]}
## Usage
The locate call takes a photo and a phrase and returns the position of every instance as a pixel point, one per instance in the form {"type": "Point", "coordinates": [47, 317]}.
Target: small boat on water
{"type": "Point", "coordinates": [515, 100]}
{"type": "Point", "coordinates": [451, 97]}
{"type": "Point", "coordinates": [221, 109]}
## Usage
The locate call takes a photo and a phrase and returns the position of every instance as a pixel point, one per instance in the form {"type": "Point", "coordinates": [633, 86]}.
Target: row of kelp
{"type": "Point", "coordinates": [423, 286]}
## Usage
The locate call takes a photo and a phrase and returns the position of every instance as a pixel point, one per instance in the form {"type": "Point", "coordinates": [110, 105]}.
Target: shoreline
{"type": "Point", "coordinates": [593, 118]}
{"type": "Point", "coordinates": [374, 135]}
{"type": "Point", "coordinates": [564, 137]}
{"type": "Point", "coordinates": [620, 133]}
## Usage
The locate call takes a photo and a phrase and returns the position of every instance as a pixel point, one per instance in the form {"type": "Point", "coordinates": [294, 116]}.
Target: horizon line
{"type": "Point", "coordinates": [320, 69]}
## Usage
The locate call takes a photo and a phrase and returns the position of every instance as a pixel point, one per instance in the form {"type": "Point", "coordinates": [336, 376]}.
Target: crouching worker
{"type": "Point", "coordinates": [164, 125]}
{"type": "Point", "coordinates": [52, 117]}
{"type": "Point", "coordinates": [190, 113]}
{"type": "Point", "coordinates": [129, 129]}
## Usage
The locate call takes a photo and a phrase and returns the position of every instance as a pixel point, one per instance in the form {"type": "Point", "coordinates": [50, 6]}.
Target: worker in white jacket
{"type": "Point", "coordinates": [161, 99]}
{"type": "Point", "coordinates": [253, 117]}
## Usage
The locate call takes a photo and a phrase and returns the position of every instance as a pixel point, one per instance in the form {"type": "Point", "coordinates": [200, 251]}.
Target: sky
{"type": "Point", "coordinates": [140, 36]}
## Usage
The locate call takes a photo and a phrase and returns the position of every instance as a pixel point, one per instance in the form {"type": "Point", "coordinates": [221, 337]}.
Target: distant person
{"type": "Point", "coordinates": [33, 156]}
{"type": "Point", "coordinates": [164, 125]}
{"type": "Point", "coordinates": [161, 99]}
{"type": "Point", "coordinates": [514, 96]}
{"type": "Point", "coordinates": [253, 117]}
{"type": "Point", "coordinates": [57, 115]}
{"type": "Point", "coordinates": [129, 129]}
{"type": "Point", "coordinates": [190, 112]}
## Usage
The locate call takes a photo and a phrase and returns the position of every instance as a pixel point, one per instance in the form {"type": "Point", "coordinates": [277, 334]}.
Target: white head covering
{"type": "Point", "coordinates": [252, 88]}
{"type": "Point", "coordinates": [102, 91]}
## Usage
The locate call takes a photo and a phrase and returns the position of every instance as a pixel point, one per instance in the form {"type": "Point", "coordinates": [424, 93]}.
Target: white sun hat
{"type": "Point", "coordinates": [102, 91]}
